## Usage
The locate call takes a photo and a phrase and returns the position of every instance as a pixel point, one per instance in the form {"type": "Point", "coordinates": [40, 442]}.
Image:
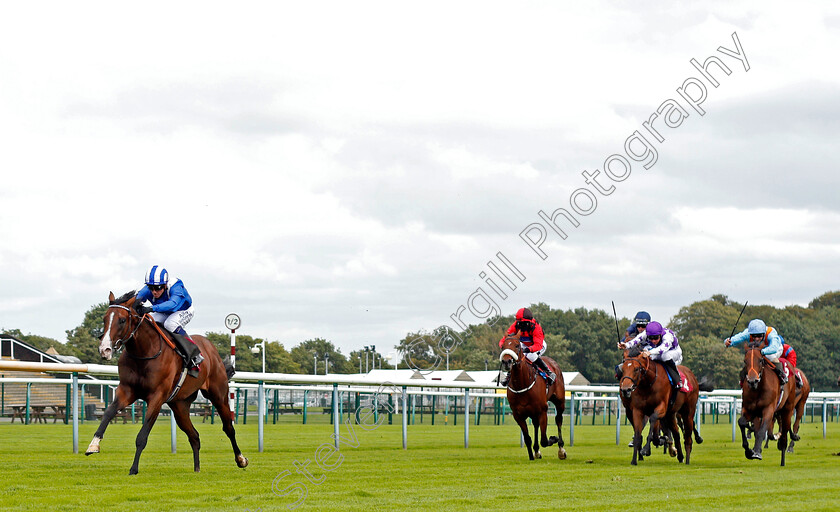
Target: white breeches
{"type": "Point", "coordinates": [532, 356]}
{"type": "Point", "coordinates": [172, 321]}
{"type": "Point", "coordinates": [671, 355]}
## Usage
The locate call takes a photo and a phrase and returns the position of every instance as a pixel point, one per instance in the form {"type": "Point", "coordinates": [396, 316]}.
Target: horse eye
{"type": "Point", "coordinates": [122, 321]}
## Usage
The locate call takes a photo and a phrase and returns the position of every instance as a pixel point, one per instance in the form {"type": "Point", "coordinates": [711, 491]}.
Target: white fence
{"type": "Point", "coordinates": [399, 389]}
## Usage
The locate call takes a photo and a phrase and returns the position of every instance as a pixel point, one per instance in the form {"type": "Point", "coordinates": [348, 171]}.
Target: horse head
{"type": "Point", "coordinates": [753, 364]}
{"type": "Point", "coordinates": [120, 323]}
{"type": "Point", "coordinates": [633, 368]}
{"type": "Point", "coordinates": [511, 352]}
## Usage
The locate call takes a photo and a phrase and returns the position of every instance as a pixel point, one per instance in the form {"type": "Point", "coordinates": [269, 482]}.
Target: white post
{"type": "Point", "coordinates": [405, 418]}
{"type": "Point", "coordinates": [173, 433]}
{"type": "Point", "coordinates": [75, 387]}
{"type": "Point", "coordinates": [466, 417]}
{"type": "Point", "coordinates": [232, 363]}
{"type": "Point", "coordinates": [261, 412]}
{"type": "Point", "coordinates": [618, 421]}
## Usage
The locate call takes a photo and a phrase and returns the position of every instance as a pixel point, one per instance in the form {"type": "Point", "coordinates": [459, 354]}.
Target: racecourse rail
{"type": "Point", "coordinates": [394, 387]}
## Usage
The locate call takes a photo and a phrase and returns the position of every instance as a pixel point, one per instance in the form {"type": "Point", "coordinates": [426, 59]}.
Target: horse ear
{"type": "Point", "coordinates": [111, 297]}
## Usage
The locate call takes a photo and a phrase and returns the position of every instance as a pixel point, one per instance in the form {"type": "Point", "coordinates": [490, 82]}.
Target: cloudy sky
{"type": "Point", "coordinates": [348, 170]}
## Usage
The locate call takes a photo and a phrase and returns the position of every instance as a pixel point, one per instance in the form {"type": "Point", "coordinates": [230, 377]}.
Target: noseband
{"type": "Point", "coordinates": [518, 358]}
{"type": "Point", "coordinates": [122, 341]}
{"type": "Point", "coordinates": [761, 363]}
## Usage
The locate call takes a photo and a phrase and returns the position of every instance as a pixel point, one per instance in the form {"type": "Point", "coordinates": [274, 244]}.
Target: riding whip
{"type": "Point", "coordinates": [617, 332]}
{"type": "Point", "coordinates": [739, 319]}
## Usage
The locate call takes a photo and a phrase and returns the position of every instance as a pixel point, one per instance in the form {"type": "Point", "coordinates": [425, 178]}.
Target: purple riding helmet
{"type": "Point", "coordinates": [654, 329]}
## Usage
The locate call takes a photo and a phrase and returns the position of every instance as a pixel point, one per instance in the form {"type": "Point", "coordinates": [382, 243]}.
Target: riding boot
{"type": "Point", "coordinates": [539, 363]}
{"type": "Point", "coordinates": [799, 382]}
{"type": "Point", "coordinates": [671, 367]}
{"type": "Point", "coordinates": [188, 347]}
{"type": "Point", "coordinates": [780, 372]}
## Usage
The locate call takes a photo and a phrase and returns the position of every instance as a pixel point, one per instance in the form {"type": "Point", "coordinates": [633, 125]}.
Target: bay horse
{"type": "Point", "coordinates": [763, 399]}
{"type": "Point", "coordinates": [645, 392]}
{"type": "Point", "coordinates": [150, 369]}
{"type": "Point", "coordinates": [799, 400]}
{"type": "Point", "coordinates": [528, 397]}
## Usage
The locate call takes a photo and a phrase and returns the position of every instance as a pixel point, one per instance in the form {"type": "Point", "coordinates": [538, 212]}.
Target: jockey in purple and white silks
{"type": "Point", "coordinates": [664, 347]}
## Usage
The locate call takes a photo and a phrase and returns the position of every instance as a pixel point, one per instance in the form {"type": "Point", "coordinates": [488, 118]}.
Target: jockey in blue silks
{"type": "Point", "coordinates": [172, 307]}
{"type": "Point", "coordinates": [758, 332]}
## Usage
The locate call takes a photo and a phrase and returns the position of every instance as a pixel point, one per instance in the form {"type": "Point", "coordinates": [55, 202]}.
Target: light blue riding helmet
{"type": "Point", "coordinates": [757, 327]}
{"type": "Point", "coordinates": [157, 275]}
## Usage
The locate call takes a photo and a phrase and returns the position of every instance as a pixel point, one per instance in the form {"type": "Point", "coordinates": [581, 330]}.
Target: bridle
{"type": "Point", "coordinates": [751, 361]}
{"type": "Point", "coordinates": [639, 368]}
{"type": "Point", "coordinates": [117, 344]}
{"type": "Point", "coordinates": [518, 358]}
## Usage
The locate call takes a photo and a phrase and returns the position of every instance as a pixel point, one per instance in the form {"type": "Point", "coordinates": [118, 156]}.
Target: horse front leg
{"type": "Point", "coordinates": [526, 436]}
{"type": "Point", "coordinates": [122, 399]}
{"type": "Point", "coordinates": [181, 410]}
{"type": "Point", "coordinates": [152, 412]}
{"type": "Point", "coordinates": [784, 426]}
{"type": "Point", "coordinates": [744, 424]}
{"type": "Point", "coordinates": [638, 426]}
{"type": "Point", "coordinates": [544, 440]}
{"type": "Point", "coordinates": [762, 429]}
{"type": "Point", "coordinates": [536, 423]}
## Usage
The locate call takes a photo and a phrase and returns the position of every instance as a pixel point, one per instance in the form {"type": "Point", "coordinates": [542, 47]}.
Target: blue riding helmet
{"type": "Point", "coordinates": [756, 327]}
{"type": "Point", "coordinates": [156, 276]}
{"type": "Point", "coordinates": [642, 318]}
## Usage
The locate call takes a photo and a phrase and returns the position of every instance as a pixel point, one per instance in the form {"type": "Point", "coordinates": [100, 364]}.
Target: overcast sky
{"type": "Point", "coordinates": [347, 170]}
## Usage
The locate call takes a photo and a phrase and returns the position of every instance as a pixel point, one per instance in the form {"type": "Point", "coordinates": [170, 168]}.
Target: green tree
{"type": "Point", "coordinates": [306, 353]}
{"type": "Point", "coordinates": [84, 339]}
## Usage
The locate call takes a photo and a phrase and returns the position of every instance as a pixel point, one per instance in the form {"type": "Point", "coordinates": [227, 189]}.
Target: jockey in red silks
{"type": "Point", "coordinates": [789, 354]}
{"type": "Point", "coordinates": [532, 341]}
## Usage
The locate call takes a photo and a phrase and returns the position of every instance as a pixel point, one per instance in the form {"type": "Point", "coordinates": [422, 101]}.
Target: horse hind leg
{"type": "Point", "coordinates": [558, 420]}
{"type": "Point", "coordinates": [181, 411]}
{"type": "Point", "coordinates": [219, 400]}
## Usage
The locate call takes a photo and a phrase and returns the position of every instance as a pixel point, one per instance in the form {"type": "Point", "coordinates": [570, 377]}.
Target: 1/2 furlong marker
{"type": "Point", "coordinates": [232, 322]}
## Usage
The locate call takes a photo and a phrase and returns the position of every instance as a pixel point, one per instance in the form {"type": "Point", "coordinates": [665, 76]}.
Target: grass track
{"type": "Point", "coordinates": [39, 472]}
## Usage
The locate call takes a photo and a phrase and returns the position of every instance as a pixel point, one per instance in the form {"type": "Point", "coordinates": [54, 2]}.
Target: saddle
{"type": "Point", "coordinates": [685, 387]}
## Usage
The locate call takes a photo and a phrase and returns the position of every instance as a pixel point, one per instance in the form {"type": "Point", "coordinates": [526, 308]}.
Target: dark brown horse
{"type": "Point", "coordinates": [150, 369]}
{"type": "Point", "coordinates": [645, 390]}
{"type": "Point", "coordinates": [528, 397]}
{"type": "Point", "coordinates": [764, 398]}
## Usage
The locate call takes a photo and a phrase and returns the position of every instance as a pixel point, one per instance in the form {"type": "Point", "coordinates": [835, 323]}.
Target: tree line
{"type": "Point", "coordinates": [579, 339]}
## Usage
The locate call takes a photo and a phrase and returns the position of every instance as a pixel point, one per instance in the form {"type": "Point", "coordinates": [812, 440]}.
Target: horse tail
{"type": "Point", "coordinates": [229, 369]}
{"type": "Point", "coordinates": [706, 384]}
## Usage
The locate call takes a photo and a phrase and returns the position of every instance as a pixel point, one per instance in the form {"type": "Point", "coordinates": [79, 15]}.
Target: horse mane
{"type": "Point", "coordinates": [635, 350]}
{"type": "Point", "coordinates": [124, 298]}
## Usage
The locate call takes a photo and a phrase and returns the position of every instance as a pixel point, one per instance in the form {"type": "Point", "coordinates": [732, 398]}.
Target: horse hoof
{"type": "Point", "coordinates": [241, 461]}
{"type": "Point", "coordinates": [552, 440]}
{"type": "Point", "coordinates": [561, 454]}
{"type": "Point", "coordinates": [698, 439]}
{"type": "Point", "coordinates": [538, 455]}
{"type": "Point", "coordinates": [756, 456]}
{"type": "Point", "coordinates": [91, 452]}
{"type": "Point", "coordinates": [795, 437]}
{"type": "Point", "coordinates": [672, 451]}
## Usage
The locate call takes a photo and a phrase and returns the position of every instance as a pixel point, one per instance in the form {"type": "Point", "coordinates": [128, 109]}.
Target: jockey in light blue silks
{"type": "Point", "coordinates": [758, 332]}
{"type": "Point", "coordinates": [172, 307]}
{"type": "Point", "coordinates": [664, 347]}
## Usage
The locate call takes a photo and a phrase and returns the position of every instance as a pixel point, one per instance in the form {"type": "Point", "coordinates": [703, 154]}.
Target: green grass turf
{"type": "Point", "coordinates": [38, 471]}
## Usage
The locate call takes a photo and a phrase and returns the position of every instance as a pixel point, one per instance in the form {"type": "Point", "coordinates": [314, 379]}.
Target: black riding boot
{"type": "Point", "coordinates": [799, 382]}
{"type": "Point", "coordinates": [671, 367]}
{"type": "Point", "coordinates": [191, 350]}
{"type": "Point", "coordinates": [539, 363]}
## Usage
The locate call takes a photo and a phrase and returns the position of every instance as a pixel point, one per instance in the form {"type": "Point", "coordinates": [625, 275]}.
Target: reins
{"type": "Point", "coordinates": [122, 341]}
